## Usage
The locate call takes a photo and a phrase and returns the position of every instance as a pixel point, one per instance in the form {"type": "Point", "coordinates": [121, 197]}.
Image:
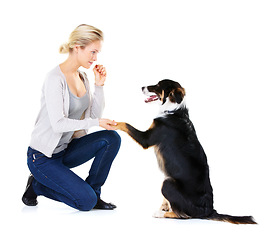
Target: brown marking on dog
{"type": "Point", "coordinates": [165, 206]}
{"type": "Point", "coordinates": [160, 159]}
{"type": "Point", "coordinates": [182, 91]}
{"type": "Point", "coordinates": [173, 94]}
{"type": "Point", "coordinates": [121, 126]}
{"type": "Point", "coordinates": [162, 95]}
{"type": "Point", "coordinates": [170, 215]}
{"type": "Point", "coordinates": [152, 125]}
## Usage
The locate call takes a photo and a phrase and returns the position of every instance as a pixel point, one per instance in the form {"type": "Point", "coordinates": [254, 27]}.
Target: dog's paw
{"type": "Point", "coordinates": [121, 126]}
{"type": "Point", "coordinates": [165, 207]}
{"type": "Point", "coordinates": [159, 214]}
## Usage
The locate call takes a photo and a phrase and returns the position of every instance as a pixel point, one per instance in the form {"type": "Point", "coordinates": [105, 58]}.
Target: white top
{"type": "Point", "coordinates": [53, 120]}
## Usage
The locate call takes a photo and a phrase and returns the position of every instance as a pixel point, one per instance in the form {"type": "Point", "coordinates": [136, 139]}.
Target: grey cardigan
{"type": "Point", "coordinates": [53, 119]}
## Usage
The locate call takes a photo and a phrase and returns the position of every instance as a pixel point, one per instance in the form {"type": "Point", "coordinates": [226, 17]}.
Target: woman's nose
{"type": "Point", "coordinates": [94, 58]}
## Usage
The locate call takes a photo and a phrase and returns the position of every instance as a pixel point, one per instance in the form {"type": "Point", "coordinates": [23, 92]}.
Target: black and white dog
{"type": "Point", "coordinates": [187, 188]}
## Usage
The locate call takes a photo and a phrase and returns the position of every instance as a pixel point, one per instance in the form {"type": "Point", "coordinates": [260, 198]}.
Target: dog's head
{"type": "Point", "coordinates": [170, 93]}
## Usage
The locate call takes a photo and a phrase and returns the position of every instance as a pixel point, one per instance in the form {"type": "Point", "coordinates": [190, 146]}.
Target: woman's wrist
{"type": "Point", "coordinates": [107, 124]}
{"type": "Point", "coordinates": [99, 85]}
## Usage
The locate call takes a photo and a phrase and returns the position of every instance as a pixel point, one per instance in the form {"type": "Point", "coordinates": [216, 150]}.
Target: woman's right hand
{"type": "Point", "coordinates": [107, 124]}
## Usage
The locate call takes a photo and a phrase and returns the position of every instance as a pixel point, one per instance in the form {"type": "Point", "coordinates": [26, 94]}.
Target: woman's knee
{"type": "Point", "coordinates": [112, 137]}
{"type": "Point", "coordinates": [116, 137]}
{"type": "Point", "coordinates": [87, 200]}
{"type": "Point", "coordinates": [86, 204]}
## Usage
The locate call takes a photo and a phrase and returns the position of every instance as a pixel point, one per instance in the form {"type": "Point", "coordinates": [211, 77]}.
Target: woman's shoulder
{"type": "Point", "coordinates": [56, 72]}
{"type": "Point", "coordinates": [55, 76]}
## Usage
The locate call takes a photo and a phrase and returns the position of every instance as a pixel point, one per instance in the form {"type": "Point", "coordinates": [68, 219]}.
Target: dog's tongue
{"type": "Point", "coordinates": [151, 98]}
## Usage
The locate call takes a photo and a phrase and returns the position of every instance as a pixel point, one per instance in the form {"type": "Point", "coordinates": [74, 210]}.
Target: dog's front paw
{"type": "Point", "coordinates": [121, 126]}
{"type": "Point", "coordinates": [159, 214]}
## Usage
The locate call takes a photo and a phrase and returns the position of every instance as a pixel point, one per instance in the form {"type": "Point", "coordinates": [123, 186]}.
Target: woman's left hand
{"type": "Point", "coordinates": [100, 75]}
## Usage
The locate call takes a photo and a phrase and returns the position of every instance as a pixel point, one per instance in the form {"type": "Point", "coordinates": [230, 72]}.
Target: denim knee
{"type": "Point", "coordinates": [87, 201]}
{"type": "Point", "coordinates": [113, 137]}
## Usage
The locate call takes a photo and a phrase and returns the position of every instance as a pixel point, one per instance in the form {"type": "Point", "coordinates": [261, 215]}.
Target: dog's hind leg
{"type": "Point", "coordinates": [169, 214]}
{"type": "Point", "coordinates": [180, 206]}
{"type": "Point", "coordinates": [165, 208]}
{"type": "Point", "coordinates": [162, 214]}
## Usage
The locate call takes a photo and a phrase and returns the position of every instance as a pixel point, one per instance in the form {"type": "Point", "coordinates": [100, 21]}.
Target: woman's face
{"type": "Point", "coordinates": [86, 56]}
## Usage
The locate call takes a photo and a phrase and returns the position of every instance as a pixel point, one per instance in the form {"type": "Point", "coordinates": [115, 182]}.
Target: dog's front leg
{"type": "Point", "coordinates": [145, 139]}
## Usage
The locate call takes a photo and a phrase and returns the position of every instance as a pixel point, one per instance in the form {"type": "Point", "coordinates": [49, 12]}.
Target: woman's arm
{"type": "Point", "coordinates": [98, 95]}
{"type": "Point", "coordinates": [98, 102]}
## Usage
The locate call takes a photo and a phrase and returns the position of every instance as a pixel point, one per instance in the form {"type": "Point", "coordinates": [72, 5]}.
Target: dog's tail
{"type": "Point", "coordinates": [232, 219]}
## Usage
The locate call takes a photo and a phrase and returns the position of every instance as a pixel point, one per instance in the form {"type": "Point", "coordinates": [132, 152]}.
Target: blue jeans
{"type": "Point", "coordinates": [55, 180]}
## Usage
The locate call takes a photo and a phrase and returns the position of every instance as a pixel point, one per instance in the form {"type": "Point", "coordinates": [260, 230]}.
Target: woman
{"type": "Point", "coordinates": [59, 140]}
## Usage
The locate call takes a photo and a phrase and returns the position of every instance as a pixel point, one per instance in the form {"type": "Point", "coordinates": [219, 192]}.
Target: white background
{"type": "Point", "coordinates": [220, 53]}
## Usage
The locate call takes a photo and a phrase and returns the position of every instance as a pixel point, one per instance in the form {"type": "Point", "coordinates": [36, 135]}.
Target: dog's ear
{"type": "Point", "coordinates": [177, 95]}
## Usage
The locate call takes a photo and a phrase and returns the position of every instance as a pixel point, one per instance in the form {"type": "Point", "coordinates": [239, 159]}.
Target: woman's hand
{"type": "Point", "coordinates": [107, 124]}
{"type": "Point", "coordinates": [100, 75]}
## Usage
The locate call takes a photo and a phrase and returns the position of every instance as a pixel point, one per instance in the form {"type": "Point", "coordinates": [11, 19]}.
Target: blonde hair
{"type": "Point", "coordinates": [82, 35]}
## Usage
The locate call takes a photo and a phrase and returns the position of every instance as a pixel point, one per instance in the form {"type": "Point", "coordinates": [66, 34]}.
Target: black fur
{"type": "Point", "coordinates": [181, 157]}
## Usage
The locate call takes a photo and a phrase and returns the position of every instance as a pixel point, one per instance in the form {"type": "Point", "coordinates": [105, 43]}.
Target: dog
{"type": "Point", "coordinates": [187, 188]}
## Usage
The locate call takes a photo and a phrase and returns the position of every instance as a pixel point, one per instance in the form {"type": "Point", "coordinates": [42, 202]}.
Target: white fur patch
{"type": "Point", "coordinates": [146, 91]}
{"type": "Point", "coordinates": [159, 214]}
{"type": "Point", "coordinates": [169, 106]}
